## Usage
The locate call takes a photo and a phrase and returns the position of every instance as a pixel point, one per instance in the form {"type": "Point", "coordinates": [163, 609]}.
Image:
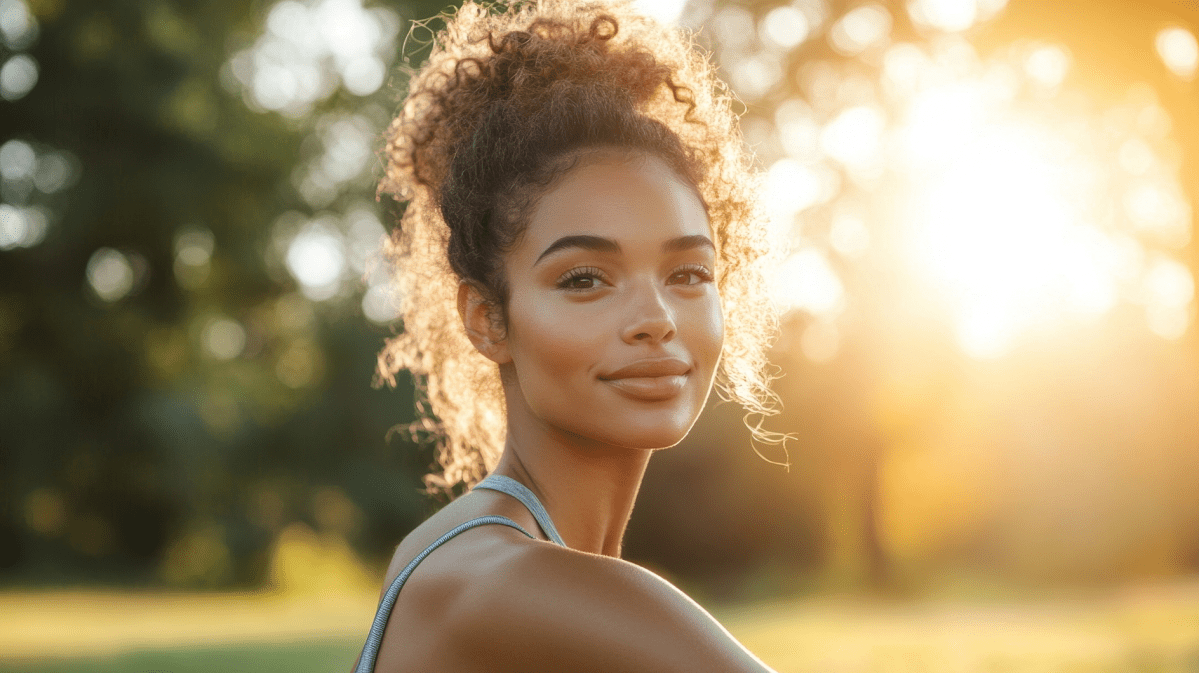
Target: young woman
{"type": "Point", "coordinates": [580, 259]}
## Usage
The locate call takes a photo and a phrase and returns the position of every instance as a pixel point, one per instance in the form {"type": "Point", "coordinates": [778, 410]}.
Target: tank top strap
{"type": "Point", "coordinates": [370, 651]}
{"type": "Point", "coordinates": [498, 482]}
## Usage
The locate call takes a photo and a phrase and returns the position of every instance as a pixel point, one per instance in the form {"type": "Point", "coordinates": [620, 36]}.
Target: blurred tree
{"type": "Point", "coordinates": [158, 376]}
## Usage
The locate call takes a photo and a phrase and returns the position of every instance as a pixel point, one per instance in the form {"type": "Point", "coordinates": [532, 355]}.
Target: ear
{"type": "Point", "coordinates": [482, 327]}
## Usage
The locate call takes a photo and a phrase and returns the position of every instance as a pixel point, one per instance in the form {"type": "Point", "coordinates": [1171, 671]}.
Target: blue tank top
{"type": "Point", "coordinates": [495, 482]}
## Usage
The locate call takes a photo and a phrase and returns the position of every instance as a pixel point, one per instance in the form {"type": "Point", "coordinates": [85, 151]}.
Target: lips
{"type": "Point", "coordinates": [652, 379]}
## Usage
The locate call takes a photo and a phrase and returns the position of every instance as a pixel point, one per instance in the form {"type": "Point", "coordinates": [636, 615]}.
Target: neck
{"type": "Point", "coordinates": [588, 488]}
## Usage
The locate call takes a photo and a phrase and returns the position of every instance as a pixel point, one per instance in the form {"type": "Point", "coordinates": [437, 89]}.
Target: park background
{"type": "Point", "coordinates": [988, 361]}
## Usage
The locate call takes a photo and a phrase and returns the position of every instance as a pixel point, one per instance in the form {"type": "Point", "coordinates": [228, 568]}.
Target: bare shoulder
{"type": "Point", "coordinates": [549, 608]}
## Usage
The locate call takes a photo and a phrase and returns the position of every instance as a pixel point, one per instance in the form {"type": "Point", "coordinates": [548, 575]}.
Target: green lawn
{"type": "Point", "coordinates": [1146, 630]}
{"type": "Point", "coordinates": [308, 657]}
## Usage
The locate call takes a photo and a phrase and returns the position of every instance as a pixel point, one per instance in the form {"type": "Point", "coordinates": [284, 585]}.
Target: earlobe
{"type": "Point", "coordinates": [483, 330]}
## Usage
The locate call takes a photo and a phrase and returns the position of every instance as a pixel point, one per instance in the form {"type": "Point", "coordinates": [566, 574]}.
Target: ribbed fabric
{"type": "Point", "coordinates": [498, 482]}
{"type": "Point", "coordinates": [495, 482]}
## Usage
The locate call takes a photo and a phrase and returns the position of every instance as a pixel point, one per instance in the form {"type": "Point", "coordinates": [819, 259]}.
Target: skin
{"type": "Point", "coordinates": [614, 270]}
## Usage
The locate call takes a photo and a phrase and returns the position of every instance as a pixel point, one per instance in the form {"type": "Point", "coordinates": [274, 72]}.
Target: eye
{"type": "Point", "coordinates": [581, 278]}
{"type": "Point", "coordinates": [690, 274]}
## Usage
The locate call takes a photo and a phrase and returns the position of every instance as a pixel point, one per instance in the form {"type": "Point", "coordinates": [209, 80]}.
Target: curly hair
{"type": "Point", "coordinates": [510, 94]}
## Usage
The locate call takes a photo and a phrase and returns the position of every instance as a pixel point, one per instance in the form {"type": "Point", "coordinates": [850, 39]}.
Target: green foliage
{"type": "Point", "coordinates": [119, 432]}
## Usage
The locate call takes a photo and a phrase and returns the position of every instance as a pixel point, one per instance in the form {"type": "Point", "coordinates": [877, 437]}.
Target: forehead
{"type": "Point", "coordinates": [636, 200]}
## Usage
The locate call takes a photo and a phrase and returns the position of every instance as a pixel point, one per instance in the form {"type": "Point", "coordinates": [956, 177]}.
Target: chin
{"type": "Point", "coordinates": [651, 442]}
{"type": "Point", "coordinates": [643, 431]}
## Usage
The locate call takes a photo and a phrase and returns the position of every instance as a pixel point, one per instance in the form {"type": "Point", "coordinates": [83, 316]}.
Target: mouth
{"type": "Point", "coordinates": [650, 380]}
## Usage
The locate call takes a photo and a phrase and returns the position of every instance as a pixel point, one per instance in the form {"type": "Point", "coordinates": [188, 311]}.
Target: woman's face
{"type": "Point", "coordinates": [614, 326]}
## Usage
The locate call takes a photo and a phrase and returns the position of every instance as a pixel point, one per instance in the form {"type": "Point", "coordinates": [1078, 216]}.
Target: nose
{"type": "Point", "coordinates": [651, 319]}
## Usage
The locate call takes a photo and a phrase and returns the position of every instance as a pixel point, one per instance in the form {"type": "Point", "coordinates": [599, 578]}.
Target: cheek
{"type": "Point", "coordinates": [708, 333]}
{"type": "Point", "coordinates": [545, 341]}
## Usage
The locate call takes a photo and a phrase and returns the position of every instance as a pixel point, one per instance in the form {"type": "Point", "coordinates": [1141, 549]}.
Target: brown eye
{"type": "Point", "coordinates": [690, 275]}
{"type": "Point", "coordinates": [584, 278]}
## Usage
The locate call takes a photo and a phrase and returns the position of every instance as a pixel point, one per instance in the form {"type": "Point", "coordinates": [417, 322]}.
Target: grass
{"type": "Point", "coordinates": [1150, 630]}
{"type": "Point", "coordinates": [319, 655]}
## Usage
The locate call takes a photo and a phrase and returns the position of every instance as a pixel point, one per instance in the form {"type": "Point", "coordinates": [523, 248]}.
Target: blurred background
{"type": "Point", "coordinates": [989, 357]}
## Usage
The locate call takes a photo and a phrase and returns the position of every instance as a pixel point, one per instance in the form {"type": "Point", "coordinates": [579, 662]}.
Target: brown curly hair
{"type": "Point", "coordinates": [508, 97]}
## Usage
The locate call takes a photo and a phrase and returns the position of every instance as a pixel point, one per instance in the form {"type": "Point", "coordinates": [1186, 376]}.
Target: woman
{"type": "Point", "coordinates": [580, 259]}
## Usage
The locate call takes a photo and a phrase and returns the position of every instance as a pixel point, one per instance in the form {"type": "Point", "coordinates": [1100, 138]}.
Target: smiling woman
{"type": "Point", "coordinates": [581, 256]}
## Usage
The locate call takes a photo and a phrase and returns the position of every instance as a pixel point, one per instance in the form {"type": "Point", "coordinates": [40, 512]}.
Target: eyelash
{"type": "Point", "coordinates": [580, 272]}
{"type": "Point", "coordinates": [701, 272]}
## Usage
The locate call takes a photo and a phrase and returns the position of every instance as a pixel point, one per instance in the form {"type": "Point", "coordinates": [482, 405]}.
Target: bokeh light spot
{"type": "Point", "coordinates": [733, 26]}
{"type": "Point", "coordinates": [1179, 51]}
{"type": "Point", "coordinates": [1048, 65]}
{"type": "Point", "coordinates": [110, 274]}
{"type": "Point", "coordinates": [364, 75]}
{"type": "Point", "coordinates": [756, 75]}
{"type": "Point", "coordinates": [806, 281]}
{"type": "Point", "coordinates": [18, 76]}
{"type": "Point", "coordinates": [223, 338]}
{"type": "Point", "coordinates": [311, 48]}
{"type": "Point", "coordinates": [17, 25]}
{"type": "Point", "coordinates": [1159, 209]}
{"type": "Point", "coordinates": [380, 304]}
{"type": "Point", "coordinates": [45, 511]}
{"type": "Point", "coordinates": [55, 172]}
{"type": "Point", "coordinates": [315, 258]}
{"type": "Point", "coordinates": [854, 137]}
{"type": "Point", "coordinates": [12, 226]}
{"type": "Point", "coordinates": [365, 236]}
{"type": "Point", "coordinates": [17, 160]}
{"type": "Point", "coordinates": [789, 188]}
{"type": "Point", "coordinates": [860, 29]}
{"type": "Point", "coordinates": [945, 15]}
{"type": "Point", "coordinates": [193, 256]}
{"type": "Point", "coordinates": [784, 27]}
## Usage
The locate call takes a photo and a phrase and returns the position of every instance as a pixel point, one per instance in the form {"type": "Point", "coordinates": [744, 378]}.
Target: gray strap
{"type": "Point", "coordinates": [498, 482]}
{"type": "Point", "coordinates": [370, 651]}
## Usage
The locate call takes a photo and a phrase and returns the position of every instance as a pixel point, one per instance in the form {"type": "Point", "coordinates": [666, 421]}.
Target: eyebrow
{"type": "Point", "coordinates": [601, 244]}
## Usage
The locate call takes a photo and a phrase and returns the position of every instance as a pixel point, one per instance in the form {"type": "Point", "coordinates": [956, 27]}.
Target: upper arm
{"type": "Point", "coordinates": [558, 610]}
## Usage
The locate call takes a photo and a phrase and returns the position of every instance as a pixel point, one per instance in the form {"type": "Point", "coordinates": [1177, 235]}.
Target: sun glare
{"type": "Point", "coordinates": [1019, 205]}
{"type": "Point", "coordinates": [999, 225]}
{"type": "Point", "coordinates": [1022, 219]}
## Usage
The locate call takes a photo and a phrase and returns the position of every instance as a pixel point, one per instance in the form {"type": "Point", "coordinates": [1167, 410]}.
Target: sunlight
{"type": "Point", "coordinates": [666, 11]}
{"type": "Point", "coordinates": [808, 282]}
{"type": "Point", "coordinates": [1021, 218]}
{"type": "Point", "coordinates": [1019, 204]}
{"type": "Point", "coordinates": [1002, 232]}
